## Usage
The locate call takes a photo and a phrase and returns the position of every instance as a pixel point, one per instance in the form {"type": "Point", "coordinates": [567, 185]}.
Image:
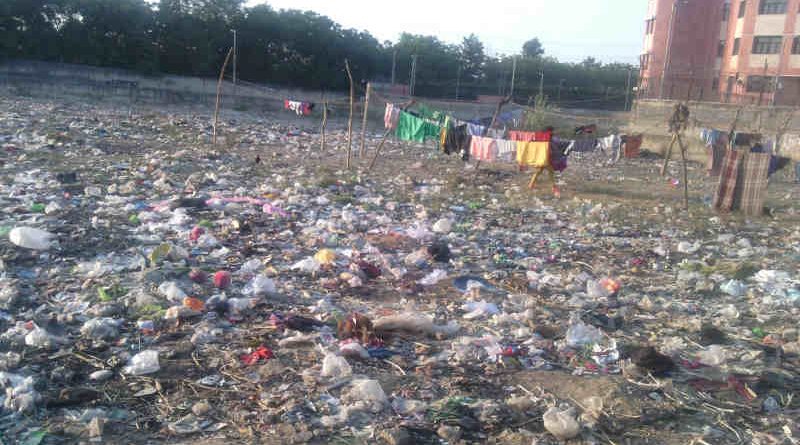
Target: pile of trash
{"type": "Point", "coordinates": [155, 286]}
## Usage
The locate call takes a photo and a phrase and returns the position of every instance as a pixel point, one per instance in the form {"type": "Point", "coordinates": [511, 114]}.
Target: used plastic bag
{"type": "Point", "coordinates": [561, 423]}
{"type": "Point", "coordinates": [145, 362]}
{"type": "Point", "coordinates": [335, 366]}
{"type": "Point", "coordinates": [479, 309]}
{"type": "Point", "coordinates": [258, 286]}
{"type": "Point", "coordinates": [31, 238]}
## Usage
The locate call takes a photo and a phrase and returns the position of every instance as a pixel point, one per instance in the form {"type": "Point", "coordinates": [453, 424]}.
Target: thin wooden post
{"type": "Point", "coordinates": [219, 93]}
{"type": "Point", "coordinates": [685, 173]}
{"type": "Point", "coordinates": [364, 122]}
{"type": "Point", "coordinates": [350, 120]}
{"type": "Point", "coordinates": [378, 150]}
{"type": "Point", "coordinates": [668, 154]}
{"type": "Point", "coordinates": [324, 123]}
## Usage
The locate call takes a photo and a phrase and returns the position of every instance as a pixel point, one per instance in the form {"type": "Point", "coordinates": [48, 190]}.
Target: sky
{"type": "Point", "coordinates": [570, 30]}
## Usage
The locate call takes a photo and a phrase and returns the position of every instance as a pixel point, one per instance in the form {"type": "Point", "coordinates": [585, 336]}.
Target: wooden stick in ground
{"type": "Point", "coordinates": [403, 107]}
{"type": "Point", "coordinates": [685, 172]}
{"type": "Point", "coordinates": [364, 122]}
{"type": "Point", "coordinates": [324, 124]}
{"type": "Point", "coordinates": [668, 154]}
{"type": "Point", "coordinates": [378, 150]}
{"type": "Point", "coordinates": [219, 93]}
{"type": "Point", "coordinates": [500, 106]}
{"type": "Point", "coordinates": [349, 121]}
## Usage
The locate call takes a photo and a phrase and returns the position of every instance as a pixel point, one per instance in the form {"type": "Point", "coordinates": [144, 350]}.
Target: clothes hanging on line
{"type": "Point", "coordinates": [506, 150]}
{"type": "Point", "coordinates": [391, 116]}
{"type": "Point", "coordinates": [716, 154]}
{"type": "Point", "coordinates": [300, 108]}
{"type": "Point", "coordinates": [711, 136]}
{"type": "Point", "coordinates": [610, 143]}
{"type": "Point", "coordinates": [455, 139]}
{"type": "Point", "coordinates": [476, 130]}
{"type": "Point", "coordinates": [751, 184]}
{"type": "Point", "coordinates": [483, 149]}
{"type": "Point", "coordinates": [558, 155]}
{"type": "Point", "coordinates": [496, 133]}
{"type": "Point", "coordinates": [530, 136]}
{"type": "Point", "coordinates": [631, 145]}
{"type": "Point", "coordinates": [723, 197]}
{"type": "Point", "coordinates": [414, 128]}
{"type": "Point", "coordinates": [533, 154]}
{"type": "Point", "coordinates": [746, 139]}
{"type": "Point", "coordinates": [581, 146]}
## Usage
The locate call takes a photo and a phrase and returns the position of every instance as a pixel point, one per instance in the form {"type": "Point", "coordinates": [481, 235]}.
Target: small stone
{"type": "Point", "coordinates": [449, 433]}
{"type": "Point", "coordinates": [201, 408]}
{"type": "Point", "coordinates": [397, 436]}
{"type": "Point", "coordinates": [95, 428]}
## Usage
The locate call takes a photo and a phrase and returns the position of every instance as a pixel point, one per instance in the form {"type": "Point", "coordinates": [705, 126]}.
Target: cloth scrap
{"type": "Point", "coordinates": [483, 149]}
{"type": "Point", "coordinates": [752, 182]}
{"type": "Point", "coordinates": [413, 128]}
{"type": "Point", "coordinates": [533, 154]}
{"type": "Point", "coordinates": [391, 116]}
{"type": "Point", "coordinates": [723, 197]}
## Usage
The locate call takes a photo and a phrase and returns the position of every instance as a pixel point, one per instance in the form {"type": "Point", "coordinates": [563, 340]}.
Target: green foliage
{"type": "Point", "coordinates": [286, 47]}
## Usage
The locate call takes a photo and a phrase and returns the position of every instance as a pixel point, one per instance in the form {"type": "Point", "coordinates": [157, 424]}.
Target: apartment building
{"type": "Point", "coordinates": [733, 51]}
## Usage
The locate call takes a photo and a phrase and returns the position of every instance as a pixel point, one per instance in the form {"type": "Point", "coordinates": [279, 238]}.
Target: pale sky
{"type": "Point", "coordinates": [571, 30]}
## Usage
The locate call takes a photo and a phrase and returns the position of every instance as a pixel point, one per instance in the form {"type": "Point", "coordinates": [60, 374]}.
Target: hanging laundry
{"type": "Point", "coordinates": [533, 154]}
{"type": "Point", "coordinates": [777, 163]}
{"type": "Point", "coordinates": [558, 155]}
{"type": "Point", "coordinates": [413, 128]}
{"type": "Point", "coordinates": [496, 133]}
{"type": "Point", "coordinates": [723, 197]}
{"type": "Point", "coordinates": [751, 184]}
{"type": "Point", "coordinates": [476, 130]}
{"type": "Point", "coordinates": [429, 114]}
{"type": "Point", "coordinates": [582, 146]}
{"type": "Point", "coordinates": [711, 136]}
{"type": "Point", "coordinates": [300, 108]}
{"type": "Point", "coordinates": [456, 140]}
{"type": "Point", "coordinates": [391, 116]}
{"type": "Point", "coordinates": [631, 144]}
{"type": "Point", "coordinates": [530, 136]}
{"type": "Point", "coordinates": [506, 150]}
{"type": "Point", "coordinates": [716, 154]}
{"type": "Point", "coordinates": [746, 139]}
{"type": "Point", "coordinates": [483, 149]}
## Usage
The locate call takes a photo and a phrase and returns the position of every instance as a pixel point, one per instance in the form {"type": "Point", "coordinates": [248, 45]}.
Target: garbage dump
{"type": "Point", "coordinates": [156, 288]}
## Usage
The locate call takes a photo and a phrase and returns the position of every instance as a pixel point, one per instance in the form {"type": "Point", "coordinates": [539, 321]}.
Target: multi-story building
{"type": "Point", "coordinates": [735, 51]}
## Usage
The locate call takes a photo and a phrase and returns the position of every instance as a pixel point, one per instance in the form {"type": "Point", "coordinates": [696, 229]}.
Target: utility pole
{"type": "Point", "coordinates": [513, 75]}
{"type": "Point", "coordinates": [560, 85]}
{"type": "Point", "coordinates": [413, 82]}
{"type": "Point", "coordinates": [458, 80]}
{"type": "Point", "coordinates": [541, 83]}
{"type": "Point", "coordinates": [394, 66]}
{"type": "Point", "coordinates": [628, 89]}
{"type": "Point", "coordinates": [235, 56]}
{"type": "Point", "coordinates": [668, 55]}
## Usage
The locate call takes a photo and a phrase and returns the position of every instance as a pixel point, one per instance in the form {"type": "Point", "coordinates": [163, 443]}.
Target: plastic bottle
{"type": "Point", "coordinates": [31, 238]}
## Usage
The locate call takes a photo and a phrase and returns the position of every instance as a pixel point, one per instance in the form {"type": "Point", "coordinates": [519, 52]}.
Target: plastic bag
{"type": "Point", "coordinates": [734, 288]}
{"type": "Point", "coordinates": [580, 334]}
{"type": "Point", "coordinates": [561, 423]}
{"type": "Point", "coordinates": [714, 355]}
{"type": "Point", "coordinates": [145, 362]}
{"type": "Point", "coordinates": [335, 366]}
{"type": "Point", "coordinates": [444, 225]}
{"type": "Point", "coordinates": [308, 265]}
{"type": "Point", "coordinates": [479, 309]}
{"type": "Point", "coordinates": [368, 391]}
{"type": "Point", "coordinates": [434, 277]}
{"type": "Point", "coordinates": [414, 323]}
{"type": "Point", "coordinates": [31, 238]}
{"type": "Point", "coordinates": [259, 285]}
{"type": "Point", "coordinates": [172, 292]}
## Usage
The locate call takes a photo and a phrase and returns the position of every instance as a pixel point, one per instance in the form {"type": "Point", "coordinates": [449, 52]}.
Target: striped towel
{"type": "Point", "coordinates": [723, 198]}
{"type": "Point", "coordinates": [751, 187]}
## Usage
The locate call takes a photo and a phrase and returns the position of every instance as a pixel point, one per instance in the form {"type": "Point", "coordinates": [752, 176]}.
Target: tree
{"type": "Point", "coordinates": [473, 57]}
{"type": "Point", "coordinates": [532, 48]}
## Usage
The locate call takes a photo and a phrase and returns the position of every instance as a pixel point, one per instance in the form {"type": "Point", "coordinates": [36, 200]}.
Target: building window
{"type": "Point", "coordinates": [742, 8]}
{"type": "Point", "coordinates": [721, 48]}
{"type": "Point", "coordinates": [726, 12]}
{"type": "Point", "coordinates": [736, 43]}
{"type": "Point", "coordinates": [767, 45]}
{"type": "Point", "coordinates": [715, 84]}
{"type": "Point", "coordinates": [772, 7]}
{"type": "Point", "coordinates": [650, 26]}
{"type": "Point", "coordinates": [644, 61]}
{"type": "Point", "coordinates": [758, 84]}
{"type": "Point", "coordinates": [796, 45]}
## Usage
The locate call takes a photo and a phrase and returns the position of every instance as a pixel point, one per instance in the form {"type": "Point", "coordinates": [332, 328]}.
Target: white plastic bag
{"type": "Point", "coordinates": [31, 238]}
{"type": "Point", "coordinates": [561, 423]}
{"type": "Point", "coordinates": [145, 362]}
{"type": "Point", "coordinates": [335, 367]}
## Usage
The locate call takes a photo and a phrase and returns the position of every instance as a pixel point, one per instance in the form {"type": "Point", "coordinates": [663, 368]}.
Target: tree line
{"type": "Point", "coordinates": [288, 47]}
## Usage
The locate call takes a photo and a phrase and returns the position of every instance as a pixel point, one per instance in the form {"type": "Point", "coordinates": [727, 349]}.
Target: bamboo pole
{"type": "Point", "coordinates": [668, 154]}
{"type": "Point", "coordinates": [350, 120]}
{"type": "Point", "coordinates": [364, 122]}
{"type": "Point", "coordinates": [378, 150]}
{"type": "Point", "coordinates": [219, 93]}
{"type": "Point", "coordinates": [324, 123]}
{"type": "Point", "coordinates": [685, 173]}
